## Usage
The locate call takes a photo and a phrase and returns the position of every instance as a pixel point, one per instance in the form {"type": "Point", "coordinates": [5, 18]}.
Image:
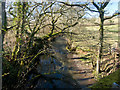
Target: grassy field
{"type": "Point", "coordinates": [88, 37]}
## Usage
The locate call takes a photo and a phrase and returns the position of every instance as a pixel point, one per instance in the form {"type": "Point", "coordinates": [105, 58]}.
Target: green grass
{"type": "Point", "coordinates": [108, 81]}
{"type": "Point", "coordinates": [114, 31]}
{"type": "Point", "coordinates": [89, 36]}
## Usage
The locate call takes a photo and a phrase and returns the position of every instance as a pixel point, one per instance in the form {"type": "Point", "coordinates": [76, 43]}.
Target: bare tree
{"type": "Point", "coordinates": [100, 8]}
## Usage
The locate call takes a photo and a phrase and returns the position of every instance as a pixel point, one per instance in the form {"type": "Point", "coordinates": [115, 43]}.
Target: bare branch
{"type": "Point", "coordinates": [105, 4]}
{"type": "Point", "coordinates": [116, 14]}
{"type": "Point", "coordinates": [11, 13]}
{"type": "Point", "coordinates": [95, 5]}
{"type": "Point", "coordinates": [61, 30]}
{"type": "Point", "coordinates": [11, 27]}
{"type": "Point", "coordinates": [79, 5]}
{"type": "Point", "coordinates": [70, 26]}
{"type": "Point", "coordinates": [91, 9]}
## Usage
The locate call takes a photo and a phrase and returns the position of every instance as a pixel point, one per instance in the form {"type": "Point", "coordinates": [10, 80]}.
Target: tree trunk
{"type": "Point", "coordinates": [2, 27]}
{"type": "Point", "coordinates": [23, 22]}
{"type": "Point", "coordinates": [100, 41]}
{"type": "Point", "coordinates": [4, 22]}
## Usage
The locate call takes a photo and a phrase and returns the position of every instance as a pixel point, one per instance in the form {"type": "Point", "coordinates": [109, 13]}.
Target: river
{"type": "Point", "coordinates": [59, 69]}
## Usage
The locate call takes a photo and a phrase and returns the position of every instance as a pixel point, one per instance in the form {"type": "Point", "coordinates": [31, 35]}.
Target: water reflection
{"type": "Point", "coordinates": [49, 64]}
{"type": "Point", "coordinates": [55, 67]}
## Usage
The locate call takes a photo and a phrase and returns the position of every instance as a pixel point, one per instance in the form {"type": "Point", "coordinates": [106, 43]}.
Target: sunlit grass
{"type": "Point", "coordinates": [108, 81]}
{"type": "Point", "coordinates": [89, 36]}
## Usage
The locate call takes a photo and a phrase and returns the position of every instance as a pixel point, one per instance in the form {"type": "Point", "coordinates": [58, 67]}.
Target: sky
{"type": "Point", "coordinates": [111, 8]}
{"type": "Point", "coordinates": [63, 0]}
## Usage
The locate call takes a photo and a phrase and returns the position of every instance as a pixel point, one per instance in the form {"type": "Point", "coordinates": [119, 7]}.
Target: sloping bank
{"type": "Point", "coordinates": [108, 81]}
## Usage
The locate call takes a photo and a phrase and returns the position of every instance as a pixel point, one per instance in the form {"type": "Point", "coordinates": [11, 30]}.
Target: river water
{"type": "Point", "coordinates": [56, 68]}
